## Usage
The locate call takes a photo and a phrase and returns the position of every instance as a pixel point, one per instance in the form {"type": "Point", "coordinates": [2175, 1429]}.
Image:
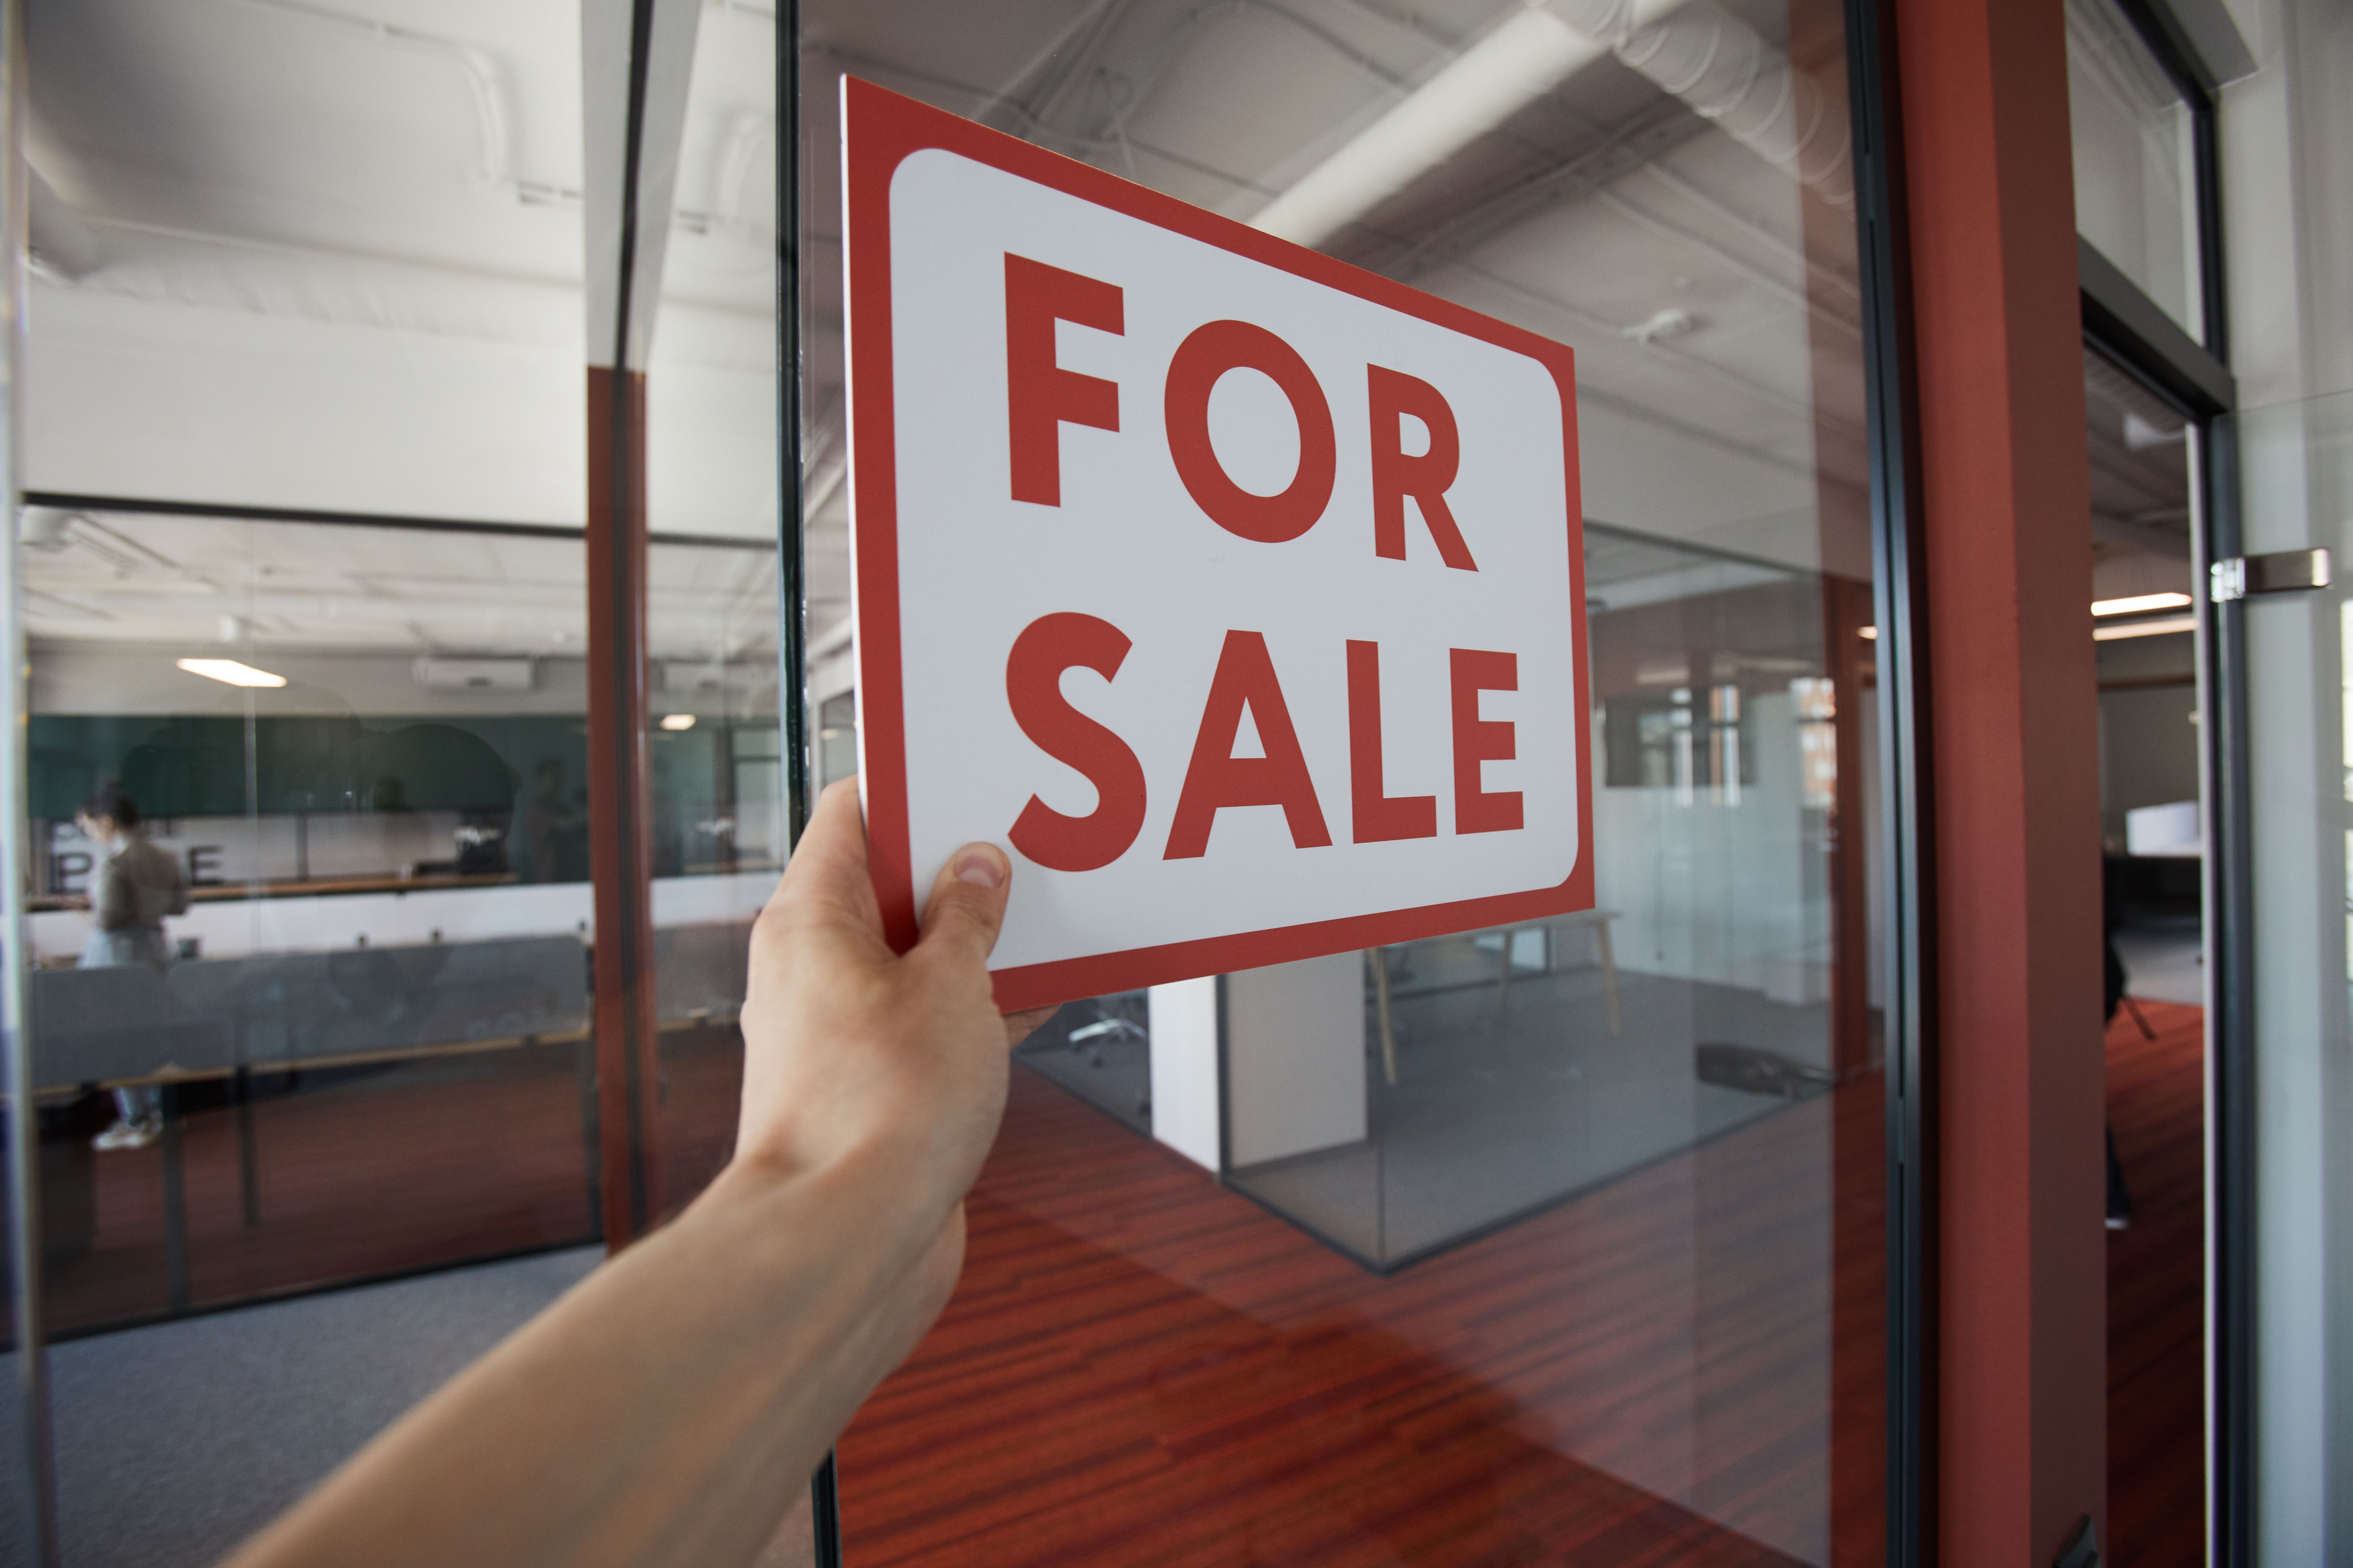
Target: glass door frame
{"type": "Point", "coordinates": [2129, 331]}
{"type": "Point", "coordinates": [1907, 847]}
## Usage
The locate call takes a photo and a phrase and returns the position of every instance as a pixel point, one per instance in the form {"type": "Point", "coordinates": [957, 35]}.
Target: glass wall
{"type": "Point", "coordinates": [306, 591]}
{"type": "Point", "coordinates": [1559, 1242]}
{"type": "Point", "coordinates": [2136, 182]}
{"type": "Point", "coordinates": [294, 268]}
{"type": "Point", "coordinates": [713, 472]}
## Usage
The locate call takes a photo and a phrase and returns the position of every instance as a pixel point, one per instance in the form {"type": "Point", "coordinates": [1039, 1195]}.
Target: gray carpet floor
{"type": "Point", "coordinates": [173, 1443]}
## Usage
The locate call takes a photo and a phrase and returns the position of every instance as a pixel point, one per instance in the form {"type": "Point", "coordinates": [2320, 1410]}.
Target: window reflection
{"type": "Point", "coordinates": [2134, 175]}
{"type": "Point", "coordinates": [1606, 1145]}
{"type": "Point", "coordinates": [386, 854]}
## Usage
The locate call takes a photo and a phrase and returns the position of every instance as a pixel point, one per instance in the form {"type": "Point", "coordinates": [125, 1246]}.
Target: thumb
{"type": "Point", "coordinates": [967, 904]}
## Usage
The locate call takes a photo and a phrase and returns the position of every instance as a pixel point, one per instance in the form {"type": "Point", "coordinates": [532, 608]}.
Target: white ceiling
{"type": "Point", "coordinates": [327, 254]}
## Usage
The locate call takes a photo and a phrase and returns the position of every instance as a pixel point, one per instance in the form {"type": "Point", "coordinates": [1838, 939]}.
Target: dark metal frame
{"type": "Point", "coordinates": [1899, 561]}
{"type": "Point", "coordinates": [2124, 326]}
{"type": "Point", "coordinates": [792, 641]}
{"type": "Point", "coordinates": [154, 507]}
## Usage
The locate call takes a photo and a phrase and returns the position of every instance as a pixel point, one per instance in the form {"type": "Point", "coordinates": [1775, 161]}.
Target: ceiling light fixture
{"type": "Point", "coordinates": [2145, 628]}
{"type": "Point", "coordinates": [229, 671]}
{"type": "Point", "coordinates": [1869, 634]}
{"type": "Point", "coordinates": [678, 721]}
{"type": "Point", "coordinates": [2140, 602]}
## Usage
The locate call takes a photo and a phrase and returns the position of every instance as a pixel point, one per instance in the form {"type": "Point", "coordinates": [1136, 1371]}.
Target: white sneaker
{"type": "Point", "coordinates": [127, 1135]}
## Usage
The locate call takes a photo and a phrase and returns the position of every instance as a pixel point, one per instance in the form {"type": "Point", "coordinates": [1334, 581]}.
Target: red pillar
{"type": "Point", "coordinates": [620, 845]}
{"type": "Point", "coordinates": [2022, 1398]}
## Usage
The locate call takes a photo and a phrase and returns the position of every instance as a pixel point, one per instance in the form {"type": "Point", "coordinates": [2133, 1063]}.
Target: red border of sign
{"type": "Point", "coordinates": [881, 128]}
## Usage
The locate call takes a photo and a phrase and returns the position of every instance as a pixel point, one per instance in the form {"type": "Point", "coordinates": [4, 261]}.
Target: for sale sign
{"type": "Point", "coordinates": [1235, 591]}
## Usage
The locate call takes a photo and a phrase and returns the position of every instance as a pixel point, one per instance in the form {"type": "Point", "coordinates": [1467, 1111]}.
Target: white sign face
{"type": "Point", "coordinates": [1237, 592]}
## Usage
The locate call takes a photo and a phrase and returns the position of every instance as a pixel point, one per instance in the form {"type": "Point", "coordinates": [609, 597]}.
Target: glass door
{"type": "Point", "coordinates": [1560, 1242]}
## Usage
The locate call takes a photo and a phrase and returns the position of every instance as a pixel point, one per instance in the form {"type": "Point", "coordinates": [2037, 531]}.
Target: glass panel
{"type": "Point", "coordinates": [362, 1042]}
{"type": "Point", "coordinates": [711, 438]}
{"type": "Point", "coordinates": [292, 259]}
{"type": "Point", "coordinates": [2136, 181]}
{"type": "Point", "coordinates": [1566, 1240]}
{"type": "Point", "coordinates": [2297, 462]}
{"type": "Point", "coordinates": [2144, 627]}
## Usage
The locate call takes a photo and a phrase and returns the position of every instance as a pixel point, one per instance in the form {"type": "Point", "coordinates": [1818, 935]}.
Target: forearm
{"type": "Point", "coordinates": [669, 1409]}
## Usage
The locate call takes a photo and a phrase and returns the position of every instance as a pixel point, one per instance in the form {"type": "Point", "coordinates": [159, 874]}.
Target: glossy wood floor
{"type": "Point", "coordinates": [2155, 1280]}
{"type": "Point", "coordinates": [1143, 1368]}
{"type": "Point", "coordinates": [413, 1168]}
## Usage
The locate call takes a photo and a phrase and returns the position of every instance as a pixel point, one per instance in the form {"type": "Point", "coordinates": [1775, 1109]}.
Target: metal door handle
{"type": "Point", "coordinates": [2281, 572]}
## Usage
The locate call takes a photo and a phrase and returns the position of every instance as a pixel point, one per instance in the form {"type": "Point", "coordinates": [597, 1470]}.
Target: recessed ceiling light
{"type": "Point", "coordinates": [2138, 603]}
{"type": "Point", "coordinates": [678, 721]}
{"type": "Point", "coordinates": [1869, 634]}
{"type": "Point", "coordinates": [230, 671]}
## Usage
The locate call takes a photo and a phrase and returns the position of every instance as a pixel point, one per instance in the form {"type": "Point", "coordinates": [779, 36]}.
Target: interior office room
{"type": "Point", "coordinates": [428, 435]}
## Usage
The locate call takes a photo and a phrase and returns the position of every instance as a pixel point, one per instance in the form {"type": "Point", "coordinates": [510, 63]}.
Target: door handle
{"type": "Point", "coordinates": [2281, 572]}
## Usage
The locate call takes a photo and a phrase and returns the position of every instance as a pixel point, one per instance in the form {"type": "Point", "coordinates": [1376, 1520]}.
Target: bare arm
{"type": "Point", "coordinates": [669, 1408]}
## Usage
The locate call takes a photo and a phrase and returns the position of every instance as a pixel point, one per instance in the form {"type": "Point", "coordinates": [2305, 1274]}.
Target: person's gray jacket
{"type": "Point", "coordinates": [137, 886]}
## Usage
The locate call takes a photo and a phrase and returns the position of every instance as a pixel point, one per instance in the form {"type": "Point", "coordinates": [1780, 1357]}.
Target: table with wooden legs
{"type": "Point", "coordinates": [1605, 953]}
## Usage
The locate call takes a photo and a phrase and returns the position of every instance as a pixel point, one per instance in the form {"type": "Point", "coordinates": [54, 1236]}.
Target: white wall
{"type": "Point", "coordinates": [236, 928]}
{"type": "Point", "coordinates": [1295, 1057]}
{"type": "Point", "coordinates": [1706, 888]}
{"type": "Point", "coordinates": [1186, 1112]}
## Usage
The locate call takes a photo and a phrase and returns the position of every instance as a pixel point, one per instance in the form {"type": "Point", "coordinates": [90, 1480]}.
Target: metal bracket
{"type": "Point", "coordinates": [2281, 572]}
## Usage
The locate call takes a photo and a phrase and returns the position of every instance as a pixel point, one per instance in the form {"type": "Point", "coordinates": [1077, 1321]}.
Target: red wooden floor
{"type": "Point", "coordinates": [415, 1168]}
{"type": "Point", "coordinates": [2156, 1273]}
{"type": "Point", "coordinates": [1141, 1367]}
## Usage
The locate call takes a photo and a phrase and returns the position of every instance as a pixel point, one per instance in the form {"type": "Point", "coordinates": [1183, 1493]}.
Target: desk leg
{"type": "Point", "coordinates": [176, 1203]}
{"type": "Point", "coordinates": [1380, 957]}
{"type": "Point", "coordinates": [1609, 974]}
{"type": "Point", "coordinates": [248, 1168]}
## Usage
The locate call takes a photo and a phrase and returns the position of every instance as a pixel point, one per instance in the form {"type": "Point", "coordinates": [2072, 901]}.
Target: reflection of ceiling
{"type": "Point", "coordinates": [195, 584]}
{"type": "Point", "coordinates": [1713, 309]}
{"type": "Point", "coordinates": [2140, 467]}
{"type": "Point", "coordinates": [326, 254]}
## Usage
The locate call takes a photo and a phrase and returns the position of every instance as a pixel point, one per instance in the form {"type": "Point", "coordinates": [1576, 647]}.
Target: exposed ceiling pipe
{"type": "Point", "coordinates": [1715, 63]}
{"type": "Point", "coordinates": [1720, 67]}
{"type": "Point", "coordinates": [1531, 53]}
{"type": "Point", "coordinates": [482, 86]}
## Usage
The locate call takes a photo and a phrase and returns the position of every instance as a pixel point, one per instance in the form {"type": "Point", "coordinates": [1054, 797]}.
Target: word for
{"type": "Point", "coordinates": [1041, 397]}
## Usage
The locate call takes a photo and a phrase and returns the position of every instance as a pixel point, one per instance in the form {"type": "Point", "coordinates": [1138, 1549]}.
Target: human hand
{"type": "Point", "coordinates": [852, 1049]}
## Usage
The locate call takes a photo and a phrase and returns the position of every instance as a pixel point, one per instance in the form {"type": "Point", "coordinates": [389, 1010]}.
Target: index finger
{"type": "Point", "coordinates": [827, 879]}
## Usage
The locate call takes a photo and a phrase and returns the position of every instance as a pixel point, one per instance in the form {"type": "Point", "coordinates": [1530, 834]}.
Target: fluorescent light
{"type": "Point", "coordinates": [230, 671]}
{"type": "Point", "coordinates": [2140, 602]}
{"type": "Point", "coordinates": [2145, 628]}
{"type": "Point", "coordinates": [678, 721]}
{"type": "Point", "coordinates": [1869, 634]}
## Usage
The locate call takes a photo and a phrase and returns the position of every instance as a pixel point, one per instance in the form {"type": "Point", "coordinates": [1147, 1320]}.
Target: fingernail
{"type": "Point", "coordinates": [981, 868]}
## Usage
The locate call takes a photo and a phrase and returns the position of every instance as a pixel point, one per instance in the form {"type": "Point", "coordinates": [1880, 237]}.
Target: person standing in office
{"type": "Point", "coordinates": [133, 886]}
{"type": "Point", "coordinates": [670, 1407]}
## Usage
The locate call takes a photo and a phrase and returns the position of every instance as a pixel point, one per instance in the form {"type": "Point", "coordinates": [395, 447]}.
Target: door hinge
{"type": "Point", "coordinates": [2281, 572]}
